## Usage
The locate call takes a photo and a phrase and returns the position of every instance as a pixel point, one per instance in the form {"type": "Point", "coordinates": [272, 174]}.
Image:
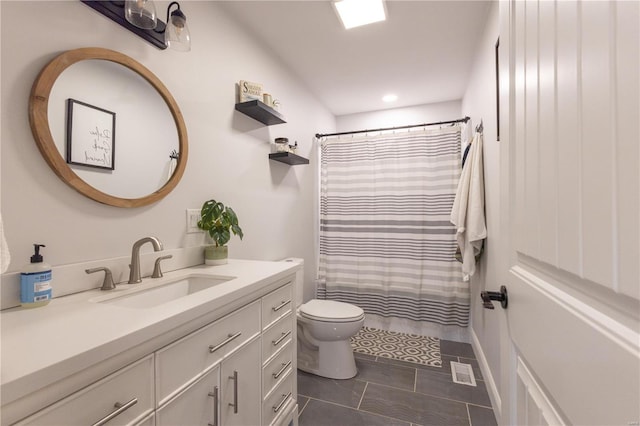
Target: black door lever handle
{"type": "Point", "coordinates": [501, 296]}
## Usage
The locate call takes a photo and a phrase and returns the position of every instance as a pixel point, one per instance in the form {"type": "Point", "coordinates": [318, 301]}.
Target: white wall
{"type": "Point", "coordinates": [418, 114]}
{"type": "Point", "coordinates": [479, 103]}
{"type": "Point", "coordinates": [228, 151]}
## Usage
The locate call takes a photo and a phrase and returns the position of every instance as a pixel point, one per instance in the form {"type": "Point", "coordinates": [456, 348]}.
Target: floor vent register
{"type": "Point", "coordinates": [462, 374]}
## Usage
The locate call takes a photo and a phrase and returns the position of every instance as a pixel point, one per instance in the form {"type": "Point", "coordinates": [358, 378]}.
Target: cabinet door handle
{"type": "Point", "coordinates": [120, 408]}
{"type": "Point", "coordinates": [235, 392]}
{"type": "Point", "coordinates": [285, 398]}
{"type": "Point", "coordinates": [281, 338]}
{"type": "Point", "coordinates": [230, 337]}
{"type": "Point", "coordinates": [282, 305]}
{"type": "Point", "coordinates": [282, 370]}
{"type": "Point", "coordinates": [214, 395]}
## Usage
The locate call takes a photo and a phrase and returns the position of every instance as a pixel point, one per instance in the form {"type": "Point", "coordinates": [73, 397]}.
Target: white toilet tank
{"type": "Point", "coordinates": [299, 278]}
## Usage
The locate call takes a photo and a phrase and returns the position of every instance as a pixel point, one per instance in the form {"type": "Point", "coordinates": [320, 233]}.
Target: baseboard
{"type": "Point", "coordinates": [492, 389]}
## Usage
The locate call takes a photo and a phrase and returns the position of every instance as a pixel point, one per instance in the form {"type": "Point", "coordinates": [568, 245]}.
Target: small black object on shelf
{"type": "Point", "coordinates": [288, 158]}
{"type": "Point", "coordinates": [261, 112]}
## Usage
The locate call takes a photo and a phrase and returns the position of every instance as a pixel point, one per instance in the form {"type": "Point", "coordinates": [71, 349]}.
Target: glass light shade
{"type": "Point", "coordinates": [177, 34]}
{"type": "Point", "coordinates": [141, 13]}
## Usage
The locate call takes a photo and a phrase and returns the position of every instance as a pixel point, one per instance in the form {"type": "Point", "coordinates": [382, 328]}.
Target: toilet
{"type": "Point", "coordinates": [324, 330]}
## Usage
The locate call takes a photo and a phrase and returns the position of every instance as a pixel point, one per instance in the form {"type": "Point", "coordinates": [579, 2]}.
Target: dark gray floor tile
{"type": "Point", "coordinates": [386, 374]}
{"type": "Point", "coordinates": [413, 407]}
{"type": "Point", "coordinates": [344, 392]}
{"type": "Point", "coordinates": [302, 401]}
{"type": "Point", "coordinates": [320, 413]}
{"type": "Point", "coordinates": [481, 416]}
{"type": "Point", "coordinates": [442, 385]}
{"type": "Point", "coordinates": [445, 368]}
{"type": "Point", "coordinates": [474, 364]}
{"type": "Point", "coordinates": [449, 347]}
{"type": "Point", "coordinates": [364, 356]}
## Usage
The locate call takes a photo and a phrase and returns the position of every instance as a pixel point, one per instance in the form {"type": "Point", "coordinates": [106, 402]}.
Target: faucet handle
{"type": "Point", "coordinates": [107, 283]}
{"type": "Point", "coordinates": [157, 272]}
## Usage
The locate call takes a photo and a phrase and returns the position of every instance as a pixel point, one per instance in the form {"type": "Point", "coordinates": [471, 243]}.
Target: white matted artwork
{"type": "Point", "coordinates": [90, 135]}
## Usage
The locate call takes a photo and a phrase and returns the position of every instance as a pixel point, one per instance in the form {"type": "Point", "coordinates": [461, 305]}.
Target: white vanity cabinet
{"type": "Point", "coordinates": [236, 369]}
{"type": "Point", "coordinates": [238, 362]}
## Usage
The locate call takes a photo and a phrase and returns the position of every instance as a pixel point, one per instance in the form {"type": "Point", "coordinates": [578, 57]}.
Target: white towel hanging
{"type": "Point", "coordinates": [467, 213]}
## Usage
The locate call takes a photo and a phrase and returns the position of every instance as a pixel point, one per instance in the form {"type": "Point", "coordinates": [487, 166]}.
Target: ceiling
{"type": "Point", "coordinates": [423, 52]}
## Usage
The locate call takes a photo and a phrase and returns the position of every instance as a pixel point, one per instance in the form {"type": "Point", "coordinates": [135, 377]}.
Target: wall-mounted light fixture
{"type": "Point", "coordinates": [139, 17]}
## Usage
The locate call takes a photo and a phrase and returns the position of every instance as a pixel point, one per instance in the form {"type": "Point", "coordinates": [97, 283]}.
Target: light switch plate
{"type": "Point", "coordinates": [193, 216]}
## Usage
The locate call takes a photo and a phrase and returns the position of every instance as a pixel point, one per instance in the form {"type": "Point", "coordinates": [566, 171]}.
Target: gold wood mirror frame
{"type": "Point", "coordinates": [39, 122]}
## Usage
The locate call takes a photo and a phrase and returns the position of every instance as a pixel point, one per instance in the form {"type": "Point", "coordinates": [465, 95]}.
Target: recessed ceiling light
{"type": "Point", "coordinates": [354, 13]}
{"type": "Point", "coordinates": [390, 98]}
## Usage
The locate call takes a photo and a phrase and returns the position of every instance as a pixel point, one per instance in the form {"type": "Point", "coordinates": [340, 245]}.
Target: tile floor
{"type": "Point", "coordinates": [389, 392]}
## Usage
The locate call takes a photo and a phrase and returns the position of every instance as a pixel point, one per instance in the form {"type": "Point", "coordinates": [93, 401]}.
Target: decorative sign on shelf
{"type": "Point", "coordinates": [250, 91]}
{"type": "Point", "coordinates": [91, 135]}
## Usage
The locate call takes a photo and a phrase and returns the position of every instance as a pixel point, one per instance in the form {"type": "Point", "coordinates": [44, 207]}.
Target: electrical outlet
{"type": "Point", "coordinates": [193, 216]}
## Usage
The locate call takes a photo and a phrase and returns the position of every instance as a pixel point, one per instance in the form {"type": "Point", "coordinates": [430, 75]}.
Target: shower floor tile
{"type": "Point", "coordinates": [392, 392]}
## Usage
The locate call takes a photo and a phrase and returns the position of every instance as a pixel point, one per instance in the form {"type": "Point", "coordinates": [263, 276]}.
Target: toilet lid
{"type": "Point", "coordinates": [332, 311]}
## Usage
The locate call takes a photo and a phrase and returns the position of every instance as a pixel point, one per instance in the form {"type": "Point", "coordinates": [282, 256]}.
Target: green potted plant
{"type": "Point", "coordinates": [219, 221]}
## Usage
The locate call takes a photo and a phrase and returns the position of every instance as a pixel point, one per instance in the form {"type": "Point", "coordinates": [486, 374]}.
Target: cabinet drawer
{"type": "Point", "coordinates": [279, 401]}
{"type": "Point", "coordinates": [182, 361]}
{"type": "Point", "coordinates": [277, 304]}
{"type": "Point", "coordinates": [92, 404]}
{"type": "Point", "coordinates": [276, 337]}
{"type": "Point", "coordinates": [277, 369]}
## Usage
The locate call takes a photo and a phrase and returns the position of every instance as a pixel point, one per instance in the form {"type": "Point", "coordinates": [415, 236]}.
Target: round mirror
{"type": "Point", "coordinates": [108, 127]}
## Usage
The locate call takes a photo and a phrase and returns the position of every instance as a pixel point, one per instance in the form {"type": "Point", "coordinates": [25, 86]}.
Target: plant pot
{"type": "Point", "coordinates": [216, 255]}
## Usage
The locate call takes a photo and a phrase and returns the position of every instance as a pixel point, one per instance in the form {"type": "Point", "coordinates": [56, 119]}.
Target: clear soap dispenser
{"type": "Point", "coordinates": [35, 281]}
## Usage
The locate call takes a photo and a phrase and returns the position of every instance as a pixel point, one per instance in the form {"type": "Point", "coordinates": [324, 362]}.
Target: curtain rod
{"type": "Point", "coordinates": [460, 120]}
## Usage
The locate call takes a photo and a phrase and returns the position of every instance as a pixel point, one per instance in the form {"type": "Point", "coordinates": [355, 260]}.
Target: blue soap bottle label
{"type": "Point", "coordinates": [35, 287]}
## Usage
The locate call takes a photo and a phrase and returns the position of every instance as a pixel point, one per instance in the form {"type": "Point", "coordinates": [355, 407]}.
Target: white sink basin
{"type": "Point", "coordinates": [165, 293]}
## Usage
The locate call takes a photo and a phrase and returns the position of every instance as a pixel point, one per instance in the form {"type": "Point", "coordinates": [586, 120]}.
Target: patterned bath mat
{"type": "Point", "coordinates": [401, 346]}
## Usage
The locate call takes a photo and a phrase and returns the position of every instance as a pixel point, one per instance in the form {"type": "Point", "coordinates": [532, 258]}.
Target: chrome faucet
{"type": "Point", "coordinates": [134, 267]}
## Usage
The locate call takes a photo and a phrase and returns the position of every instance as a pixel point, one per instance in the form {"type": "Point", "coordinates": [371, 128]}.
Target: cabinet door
{"type": "Point", "coordinates": [197, 405]}
{"type": "Point", "coordinates": [241, 387]}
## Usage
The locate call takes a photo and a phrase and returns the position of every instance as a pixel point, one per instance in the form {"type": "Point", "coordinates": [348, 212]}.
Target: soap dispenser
{"type": "Point", "coordinates": [35, 281]}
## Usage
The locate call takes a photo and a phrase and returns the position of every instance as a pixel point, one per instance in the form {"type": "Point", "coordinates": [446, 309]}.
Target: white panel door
{"type": "Point", "coordinates": [571, 193]}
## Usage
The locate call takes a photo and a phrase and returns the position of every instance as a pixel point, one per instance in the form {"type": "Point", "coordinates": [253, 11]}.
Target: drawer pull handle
{"type": "Point", "coordinates": [230, 338]}
{"type": "Point", "coordinates": [121, 408]}
{"type": "Point", "coordinates": [282, 370]}
{"type": "Point", "coordinates": [235, 392]}
{"type": "Point", "coordinates": [214, 395]}
{"type": "Point", "coordinates": [281, 305]}
{"type": "Point", "coordinates": [285, 398]}
{"type": "Point", "coordinates": [281, 338]}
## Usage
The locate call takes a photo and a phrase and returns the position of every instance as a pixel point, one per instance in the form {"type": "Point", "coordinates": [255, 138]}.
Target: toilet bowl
{"type": "Point", "coordinates": [324, 329]}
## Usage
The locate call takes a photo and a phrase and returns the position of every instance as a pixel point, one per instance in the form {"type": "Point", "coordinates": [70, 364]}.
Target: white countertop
{"type": "Point", "coordinates": [72, 333]}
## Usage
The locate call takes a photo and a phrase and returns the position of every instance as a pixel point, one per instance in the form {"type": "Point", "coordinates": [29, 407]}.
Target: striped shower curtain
{"type": "Point", "coordinates": [386, 243]}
